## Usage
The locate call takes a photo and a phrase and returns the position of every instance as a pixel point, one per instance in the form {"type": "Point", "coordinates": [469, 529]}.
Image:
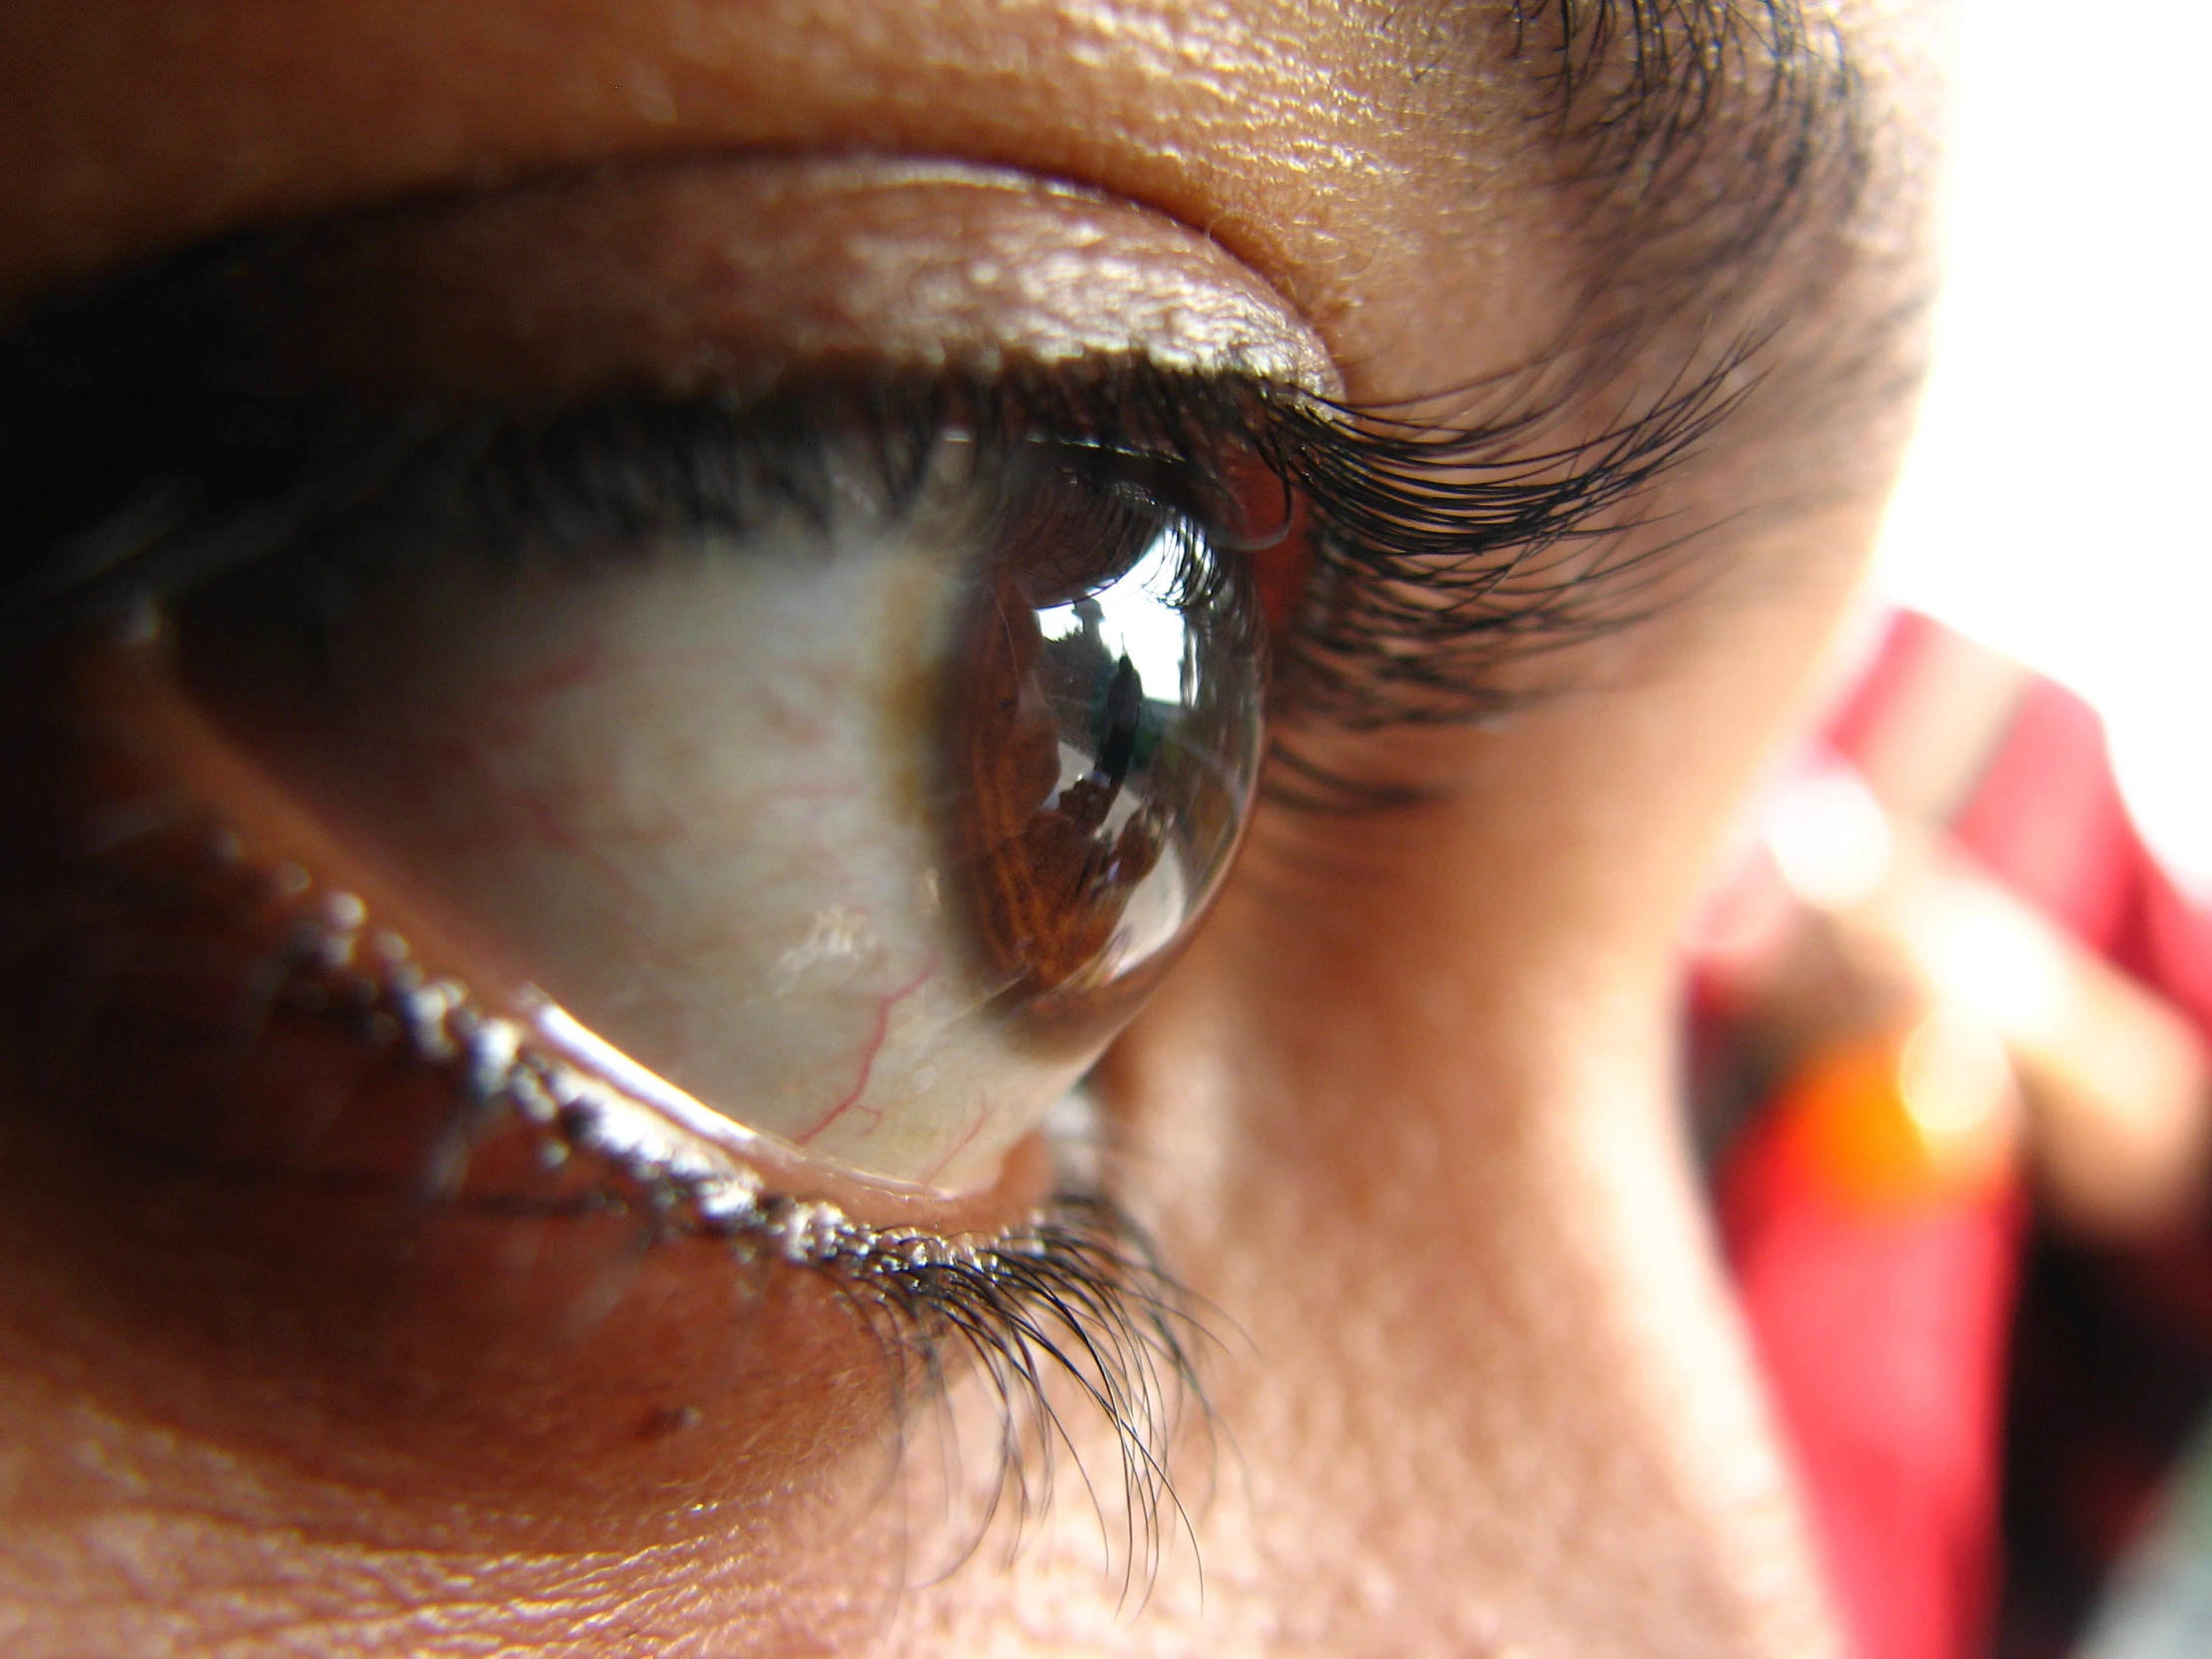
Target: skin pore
{"type": "Point", "coordinates": [1402, 1120]}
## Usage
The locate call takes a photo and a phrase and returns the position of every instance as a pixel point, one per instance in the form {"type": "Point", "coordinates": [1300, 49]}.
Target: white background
{"type": "Point", "coordinates": [2054, 503]}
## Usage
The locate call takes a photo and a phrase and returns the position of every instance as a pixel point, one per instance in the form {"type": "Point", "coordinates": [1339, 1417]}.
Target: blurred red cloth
{"type": "Point", "coordinates": [1884, 1332]}
{"type": "Point", "coordinates": [1883, 1337]}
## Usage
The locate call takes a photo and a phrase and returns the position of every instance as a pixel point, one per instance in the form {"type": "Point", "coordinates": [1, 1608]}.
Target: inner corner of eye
{"type": "Point", "coordinates": [859, 832]}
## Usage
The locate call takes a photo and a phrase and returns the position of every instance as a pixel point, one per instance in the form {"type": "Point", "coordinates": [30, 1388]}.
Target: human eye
{"type": "Point", "coordinates": [494, 644]}
{"type": "Point", "coordinates": [535, 725]}
{"type": "Point", "coordinates": [829, 776]}
{"type": "Point", "coordinates": [727, 791]}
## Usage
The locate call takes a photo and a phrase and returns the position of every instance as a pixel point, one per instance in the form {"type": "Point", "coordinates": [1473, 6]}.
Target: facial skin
{"type": "Point", "coordinates": [1404, 1120]}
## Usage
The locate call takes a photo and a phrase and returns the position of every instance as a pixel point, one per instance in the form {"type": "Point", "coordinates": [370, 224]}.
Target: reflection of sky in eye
{"type": "Point", "coordinates": [1059, 622]}
{"type": "Point", "coordinates": [1142, 621]}
{"type": "Point", "coordinates": [1139, 619]}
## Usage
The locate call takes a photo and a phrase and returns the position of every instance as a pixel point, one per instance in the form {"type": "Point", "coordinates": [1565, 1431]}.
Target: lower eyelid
{"type": "Point", "coordinates": [333, 1270]}
{"type": "Point", "coordinates": [302, 924]}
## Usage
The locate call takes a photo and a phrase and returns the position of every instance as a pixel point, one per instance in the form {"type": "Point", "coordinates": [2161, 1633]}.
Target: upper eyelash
{"type": "Point", "coordinates": [1440, 549]}
{"type": "Point", "coordinates": [1443, 551]}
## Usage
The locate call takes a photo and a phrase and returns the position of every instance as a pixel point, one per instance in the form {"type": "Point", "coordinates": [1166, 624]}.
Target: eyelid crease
{"type": "Point", "coordinates": [679, 276]}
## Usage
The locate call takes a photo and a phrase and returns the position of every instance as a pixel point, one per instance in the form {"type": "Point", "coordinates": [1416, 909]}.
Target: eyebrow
{"type": "Point", "coordinates": [1704, 138]}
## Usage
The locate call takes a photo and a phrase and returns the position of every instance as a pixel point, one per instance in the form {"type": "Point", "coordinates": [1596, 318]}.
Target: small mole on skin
{"type": "Point", "coordinates": [664, 1421]}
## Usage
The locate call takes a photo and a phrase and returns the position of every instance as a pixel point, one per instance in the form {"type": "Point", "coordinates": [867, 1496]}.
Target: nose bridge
{"type": "Point", "coordinates": [1486, 1389]}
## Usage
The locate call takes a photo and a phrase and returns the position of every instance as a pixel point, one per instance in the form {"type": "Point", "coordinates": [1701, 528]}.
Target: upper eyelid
{"type": "Point", "coordinates": [1437, 544]}
{"type": "Point", "coordinates": [678, 273]}
{"type": "Point", "coordinates": [1443, 548]}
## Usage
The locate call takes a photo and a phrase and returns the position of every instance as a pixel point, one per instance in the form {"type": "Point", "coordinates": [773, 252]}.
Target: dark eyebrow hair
{"type": "Point", "coordinates": [1646, 77]}
{"type": "Point", "coordinates": [1702, 138]}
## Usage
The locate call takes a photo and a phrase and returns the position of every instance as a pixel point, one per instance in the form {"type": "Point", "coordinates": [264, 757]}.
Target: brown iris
{"type": "Point", "coordinates": [1104, 737]}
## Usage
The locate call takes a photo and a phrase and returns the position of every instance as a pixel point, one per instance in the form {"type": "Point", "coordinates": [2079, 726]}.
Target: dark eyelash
{"type": "Point", "coordinates": [1075, 1293]}
{"type": "Point", "coordinates": [1446, 550]}
{"type": "Point", "coordinates": [1441, 548]}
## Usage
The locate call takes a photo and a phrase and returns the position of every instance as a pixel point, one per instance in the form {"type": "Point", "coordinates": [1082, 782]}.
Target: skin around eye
{"type": "Point", "coordinates": [1405, 1119]}
{"type": "Point", "coordinates": [748, 807]}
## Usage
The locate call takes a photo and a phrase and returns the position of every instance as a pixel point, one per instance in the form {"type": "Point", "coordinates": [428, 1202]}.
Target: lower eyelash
{"type": "Point", "coordinates": [1072, 1297]}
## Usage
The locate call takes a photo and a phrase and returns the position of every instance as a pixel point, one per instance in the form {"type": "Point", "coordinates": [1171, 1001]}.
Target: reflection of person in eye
{"type": "Point", "coordinates": [1052, 878]}
{"type": "Point", "coordinates": [418, 420]}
